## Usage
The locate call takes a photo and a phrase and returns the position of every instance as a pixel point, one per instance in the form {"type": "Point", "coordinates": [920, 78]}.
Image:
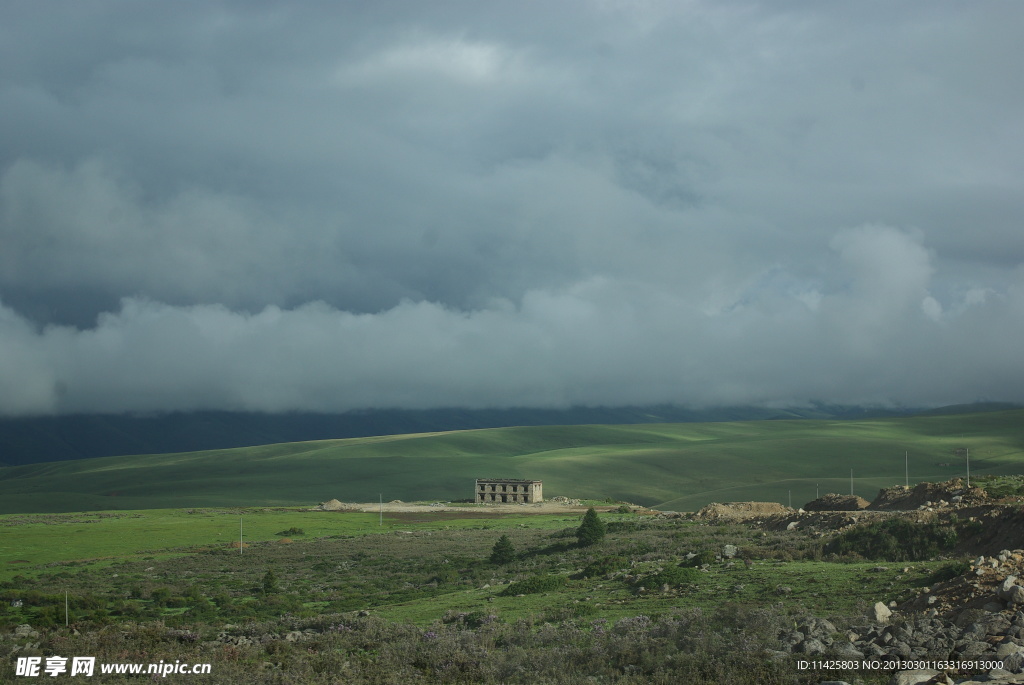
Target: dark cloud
{"type": "Point", "coordinates": [313, 206]}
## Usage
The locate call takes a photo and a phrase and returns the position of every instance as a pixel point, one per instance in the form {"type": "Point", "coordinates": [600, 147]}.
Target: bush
{"type": "Point", "coordinates": [602, 566]}
{"type": "Point", "coordinates": [534, 585]}
{"type": "Point", "coordinates": [269, 582]}
{"type": "Point", "coordinates": [591, 530]}
{"type": "Point", "coordinates": [896, 540]}
{"type": "Point", "coordinates": [703, 557]}
{"type": "Point", "coordinates": [672, 575]}
{"type": "Point", "coordinates": [291, 532]}
{"type": "Point", "coordinates": [503, 551]}
{"type": "Point", "coordinates": [949, 572]}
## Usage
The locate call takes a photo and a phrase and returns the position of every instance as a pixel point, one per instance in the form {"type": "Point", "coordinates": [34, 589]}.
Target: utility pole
{"type": "Point", "coordinates": [968, 467]}
{"type": "Point", "coordinates": [851, 481]}
{"type": "Point", "coordinates": [381, 495]}
{"type": "Point", "coordinates": [906, 467]}
{"type": "Point", "coordinates": [240, 543]}
{"type": "Point", "coordinates": [65, 608]}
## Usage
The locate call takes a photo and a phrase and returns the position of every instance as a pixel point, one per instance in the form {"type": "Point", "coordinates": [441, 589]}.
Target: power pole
{"type": "Point", "coordinates": [968, 467]}
{"type": "Point", "coordinates": [906, 467]}
{"type": "Point", "coordinates": [851, 482]}
{"type": "Point", "coordinates": [381, 495]}
{"type": "Point", "coordinates": [240, 543]}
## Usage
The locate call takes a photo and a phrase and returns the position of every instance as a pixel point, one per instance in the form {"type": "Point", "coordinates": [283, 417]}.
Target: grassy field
{"type": "Point", "coordinates": [671, 466]}
{"type": "Point", "coordinates": [417, 571]}
{"type": "Point", "coordinates": [31, 542]}
{"type": "Point", "coordinates": [419, 595]}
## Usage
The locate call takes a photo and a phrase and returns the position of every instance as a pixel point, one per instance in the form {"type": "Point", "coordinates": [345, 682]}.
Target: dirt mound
{"type": "Point", "coordinates": [996, 528]}
{"type": "Point", "coordinates": [833, 502]}
{"type": "Point", "coordinates": [332, 505]}
{"type": "Point", "coordinates": [740, 511]}
{"type": "Point", "coordinates": [953, 493]}
{"type": "Point", "coordinates": [986, 586]}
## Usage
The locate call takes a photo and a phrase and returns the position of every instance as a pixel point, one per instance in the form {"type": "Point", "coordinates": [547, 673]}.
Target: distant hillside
{"type": "Point", "coordinates": [677, 466]}
{"type": "Point", "coordinates": [43, 439]}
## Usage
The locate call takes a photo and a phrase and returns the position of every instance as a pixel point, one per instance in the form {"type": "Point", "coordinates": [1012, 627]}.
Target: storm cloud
{"type": "Point", "coordinates": [320, 207]}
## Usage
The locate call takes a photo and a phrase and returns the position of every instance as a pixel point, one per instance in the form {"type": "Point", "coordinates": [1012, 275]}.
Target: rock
{"type": "Point", "coordinates": [1007, 649]}
{"type": "Point", "coordinates": [912, 677]}
{"type": "Point", "coordinates": [1014, 663]}
{"type": "Point", "coordinates": [815, 627]}
{"type": "Point", "coordinates": [846, 650]}
{"type": "Point", "coordinates": [293, 636]}
{"type": "Point", "coordinates": [971, 648]}
{"type": "Point", "coordinates": [880, 613]}
{"type": "Point", "coordinates": [1016, 595]}
{"type": "Point", "coordinates": [729, 551]}
{"type": "Point", "coordinates": [25, 630]}
{"type": "Point", "coordinates": [810, 646]}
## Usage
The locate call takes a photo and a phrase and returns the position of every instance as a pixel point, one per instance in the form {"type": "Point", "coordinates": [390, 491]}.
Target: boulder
{"type": "Point", "coordinates": [1014, 663]}
{"type": "Point", "coordinates": [912, 677]}
{"type": "Point", "coordinates": [846, 650]}
{"type": "Point", "coordinates": [880, 613]}
{"type": "Point", "coordinates": [810, 646]}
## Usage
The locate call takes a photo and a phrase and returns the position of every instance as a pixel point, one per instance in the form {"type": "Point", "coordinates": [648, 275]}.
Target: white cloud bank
{"type": "Point", "coordinates": [876, 337]}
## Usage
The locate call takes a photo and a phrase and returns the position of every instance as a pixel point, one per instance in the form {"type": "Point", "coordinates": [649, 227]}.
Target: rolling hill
{"type": "Point", "coordinates": [672, 466]}
{"type": "Point", "coordinates": [34, 439]}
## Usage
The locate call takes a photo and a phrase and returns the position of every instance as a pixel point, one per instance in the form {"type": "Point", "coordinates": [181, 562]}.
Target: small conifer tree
{"type": "Point", "coordinates": [503, 551]}
{"type": "Point", "coordinates": [591, 530]}
{"type": "Point", "coordinates": [269, 583]}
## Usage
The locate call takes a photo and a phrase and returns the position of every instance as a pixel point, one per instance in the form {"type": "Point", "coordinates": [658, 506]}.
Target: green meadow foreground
{"type": "Point", "coordinates": [668, 466]}
{"type": "Point", "coordinates": [416, 595]}
{"type": "Point", "coordinates": [331, 597]}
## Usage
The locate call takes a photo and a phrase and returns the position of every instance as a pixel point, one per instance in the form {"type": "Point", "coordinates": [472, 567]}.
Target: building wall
{"type": "Point", "coordinates": [507, 491]}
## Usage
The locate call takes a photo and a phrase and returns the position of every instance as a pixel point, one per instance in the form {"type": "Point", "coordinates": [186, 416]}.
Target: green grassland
{"type": "Point", "coordinates": [671, 466]}
{"type": "Point", "coordinates": [417, 571]}
{"type": "Point", "coordinates": [31, 543]}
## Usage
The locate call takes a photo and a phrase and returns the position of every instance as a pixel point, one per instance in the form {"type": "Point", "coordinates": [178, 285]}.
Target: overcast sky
{"type": "Point", "coordinates": [328, 206]}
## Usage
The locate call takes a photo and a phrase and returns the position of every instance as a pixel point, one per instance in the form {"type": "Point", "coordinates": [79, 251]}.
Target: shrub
{"type": "Point", "coordinates": [703, 557]}
{"type": "Point", "coordinates": [672, 575]}
{"type": "Point", "coordinates": [269, 582]}
{"type": "Point", "coordinates": [896, 540]}
{"type": "Point", "coordinates": [602, 566]}
{"type": "Point", "coordinates": [591, 530]}
{"type": "Point", "coordinates": [160, 595]}
{"type": "Point", "coordinates": [534, 585]}
{"type": "Point", "coordinates": [291, 532]}
{"type": "Point", "coordinates": [949, 571]}
{"type": "Point", "coordinates": [503, 551]}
